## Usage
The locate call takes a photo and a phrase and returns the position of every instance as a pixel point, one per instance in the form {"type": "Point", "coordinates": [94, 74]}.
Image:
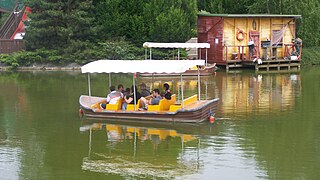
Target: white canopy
{"type": "Point", "coordinates": [175, 45]}
{"type": "Point", "coordinates": [140, 66]}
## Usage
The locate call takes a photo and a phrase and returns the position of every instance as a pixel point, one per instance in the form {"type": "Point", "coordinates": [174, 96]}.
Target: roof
{"type": "Point", "coordinates": [249, 15]}
{"type": "Point", "coordinates": [175, 45]}
{"type": "Point", "coordinates": [140, 66]}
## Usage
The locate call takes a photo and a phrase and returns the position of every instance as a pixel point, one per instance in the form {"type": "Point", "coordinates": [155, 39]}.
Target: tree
{"type": "Point", "coordinates": [139, 20]}
{"type": "Point", "coordinates": [55, 24]}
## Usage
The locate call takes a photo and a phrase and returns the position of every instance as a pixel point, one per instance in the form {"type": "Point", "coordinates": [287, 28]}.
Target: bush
{"type": "Point", "coordinates": [310, 56]}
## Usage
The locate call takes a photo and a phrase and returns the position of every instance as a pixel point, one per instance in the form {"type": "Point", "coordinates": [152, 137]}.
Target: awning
{"type": "Point", "coordinates": [175, 45]}
{"type": "Point", "coordinates": [140, 66]}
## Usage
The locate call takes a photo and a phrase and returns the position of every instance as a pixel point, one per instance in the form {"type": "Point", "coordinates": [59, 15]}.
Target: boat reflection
{"type": "Point", "coordinates": [136, 151]}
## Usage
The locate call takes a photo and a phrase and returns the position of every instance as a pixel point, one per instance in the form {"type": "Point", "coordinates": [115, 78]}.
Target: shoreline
{"type": "Point", "coordinates": [43, 67]}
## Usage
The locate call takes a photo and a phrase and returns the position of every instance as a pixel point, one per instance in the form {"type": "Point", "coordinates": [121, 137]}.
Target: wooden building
{"type": "Point", "coordinates": [262, 41]}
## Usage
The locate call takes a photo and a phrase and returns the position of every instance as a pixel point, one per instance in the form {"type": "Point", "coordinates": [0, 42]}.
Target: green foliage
{"type": "Point", "coordinates": [55, 24]}
{"type": "Point", "coordinates": [310, 56]}
{"type": "Point", "coordinates": [140, 21]}
{"type": "Point", "coordinates": [80, 31]}
{"type": "Point", "coordinates": [3, 17]}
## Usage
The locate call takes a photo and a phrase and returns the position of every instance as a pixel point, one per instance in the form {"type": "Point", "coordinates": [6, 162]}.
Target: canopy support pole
{"type": "Point", "coordinates": [152, 87]}
{"type": "Point", "coordinates": [135, 144]}
{"type": "Point", "coordinates": [90, 139]}
{"type": "Point", "coordinates": [199, 53]}
{"type": "Point", "coordinates": [198, 154]}
{"type": "Point", "coordinates": [89, 85]}
{"type": "Point", "coordinates": [198, 83]}
{"type": "Point", "coordinates": [178, 53]}
{"type": "Point", "coordinates": [182, 104]}
{"type": "Point", "coordinates": [110, 80]}
{"type": "Point", "coordinates": [182, 145]}
{"type": "Point", "coordinates": [145, 53]}
{"type": "Point", "coordinates": [150, 54]}
{"type": "Point", "coordinates": [134, 92]}
{"type": "Point", "coordinates": [206, 56]}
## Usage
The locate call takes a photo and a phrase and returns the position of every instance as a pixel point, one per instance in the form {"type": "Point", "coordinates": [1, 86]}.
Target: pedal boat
{"type": "Point", "coordinates": [190, 110]}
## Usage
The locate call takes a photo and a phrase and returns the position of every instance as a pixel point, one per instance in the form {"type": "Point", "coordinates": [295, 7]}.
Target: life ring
{"type": "Point", "coordinates": [240, 35]}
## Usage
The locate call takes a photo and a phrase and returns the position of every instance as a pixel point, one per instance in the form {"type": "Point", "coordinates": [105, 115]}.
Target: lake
{"type": "Point", "coordinates": [267, 126]}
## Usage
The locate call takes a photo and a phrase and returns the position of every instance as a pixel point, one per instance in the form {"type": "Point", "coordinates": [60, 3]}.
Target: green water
{"type": "Point", "coordinates": [267, 127]}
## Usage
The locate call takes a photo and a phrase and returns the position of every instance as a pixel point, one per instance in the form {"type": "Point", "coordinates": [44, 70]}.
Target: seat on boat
{"type": "Point", "coordinates": [164, 104]}
{"type": "Point", "coordinates": [130, 107]}
{"type": "Point", "coordinates": [97, 105]}
{"type": "Point", "coordinates": [116, 106]}
{"type": "Point", "coordinates": [186, 102]}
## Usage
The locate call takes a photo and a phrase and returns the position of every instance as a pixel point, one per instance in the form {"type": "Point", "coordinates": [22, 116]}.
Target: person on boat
{"type": "Point", "coordinates": [112, 97]}
{"type": "Point", "coordinates": [153, 100]}
{"type": "Point", "coordinates": [121, 90]}
{"type": "Point", "coordinates": [144, 91]}
{"type": "Point", "coordinates": [126, 97]}
{"type": "Point", "coordinates": [133, 99]}
{"type": "Point", "coordinates": [167, 93]}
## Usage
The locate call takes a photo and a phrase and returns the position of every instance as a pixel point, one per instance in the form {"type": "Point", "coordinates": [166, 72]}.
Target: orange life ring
{"type": "Point", "coordinates": [240, 35]}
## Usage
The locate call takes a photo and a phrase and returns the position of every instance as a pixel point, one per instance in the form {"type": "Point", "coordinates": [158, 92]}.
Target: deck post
{"type": "Point", "coordinates": [89, 84]}
{"type": "Point", "coordinates": [182, 104]}
{"type": "Point", "coordinates": [134, 93]}
{"type": "Point", "coordinates": [206, 56]}
{"type": "Point", "coordinates": [178, 53]}
{"type": "Point", "coordinates": [206, 83]}
{"type": "Point", "coordinates": [198, 83]}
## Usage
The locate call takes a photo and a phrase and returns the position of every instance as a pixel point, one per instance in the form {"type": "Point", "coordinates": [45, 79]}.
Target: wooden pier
{"type": "Point", "coordinates": [267, 65]}
{"type": "Point", "coordinates": [233, 64]}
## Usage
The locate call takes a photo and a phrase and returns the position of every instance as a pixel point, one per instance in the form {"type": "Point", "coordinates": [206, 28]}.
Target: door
{"type": "Point", "coordinates": [255, 37]}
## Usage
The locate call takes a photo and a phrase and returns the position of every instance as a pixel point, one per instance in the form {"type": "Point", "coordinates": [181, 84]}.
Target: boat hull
{"type": "Point", "coordinates": [196, 114]}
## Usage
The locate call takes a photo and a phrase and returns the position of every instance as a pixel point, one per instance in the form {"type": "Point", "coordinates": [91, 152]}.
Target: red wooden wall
{"type": "Point", "coordinates": [210, 30]}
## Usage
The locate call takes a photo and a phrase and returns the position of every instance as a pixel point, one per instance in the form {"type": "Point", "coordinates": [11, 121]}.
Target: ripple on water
{"type": "Point", "coordinates": [9, 162]}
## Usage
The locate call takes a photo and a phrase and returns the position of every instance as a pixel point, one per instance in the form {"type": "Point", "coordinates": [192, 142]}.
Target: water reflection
{"type": "Point", "coordinates": [140, 151]}
{"type": "Point", "coordinates": [241, 94]}
{"type": "Point", "coordinates": [272, 132]}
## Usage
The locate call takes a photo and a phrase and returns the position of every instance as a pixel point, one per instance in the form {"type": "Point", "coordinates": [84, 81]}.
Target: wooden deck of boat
{"type": "Point", "coordinates": [194, 112]}
{"type": "Point", "coordinates": [191, 106]}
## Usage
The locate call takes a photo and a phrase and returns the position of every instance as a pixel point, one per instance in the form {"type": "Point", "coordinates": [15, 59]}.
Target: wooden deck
{"type": "Point", "coordinates": [267, 65]}
{"type": "Point", "coordinates": [278, 65]}
{"type": "Point", "coordinates": [233, 64]}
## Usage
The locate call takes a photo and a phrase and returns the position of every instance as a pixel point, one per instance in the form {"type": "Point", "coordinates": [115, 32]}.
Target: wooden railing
{"type": "Point", "coordinates": [290, 48]}
{"type": "Point", "coordinates": [9, 46]}
{"type": "Point", "coordinates": [236, 53]}
{"type": "Point", "coordinates": [11, 24]}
